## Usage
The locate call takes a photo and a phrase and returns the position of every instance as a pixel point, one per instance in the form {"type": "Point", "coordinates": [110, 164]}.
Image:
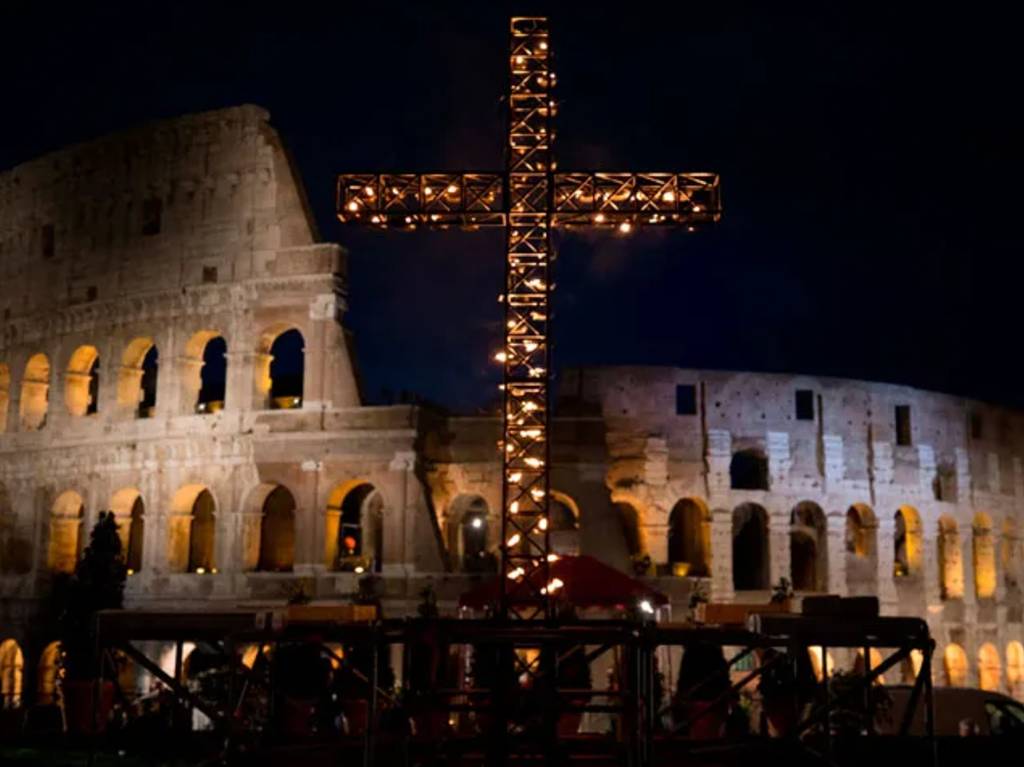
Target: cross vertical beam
{"type": "Point", "coordinates": [526, 354]}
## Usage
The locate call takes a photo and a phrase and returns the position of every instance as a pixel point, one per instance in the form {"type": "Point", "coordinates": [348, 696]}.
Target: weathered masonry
{"type": "Point", "coordinates": [172, 349]}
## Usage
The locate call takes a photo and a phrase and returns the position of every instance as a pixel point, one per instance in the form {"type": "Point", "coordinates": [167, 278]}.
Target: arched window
{"type": "Point", "coordinates": [201, 534]}
{"type": "Point", "coordinates": [129, 510]}
{"type": "Point", "coordinates": [748, 470]}
{"type": "Point", "coordinates": [467, 530]}
{"type": "Point", "coordinates": [284, 372]}
{"type": "Point", "coordinates": [81, 393]}
{"type": "Point", "coordinates": [5, 395]}
{"type": "Point", "coordinates": [990, 670]}
{"type": "Point", "coordinates": [689, 538]}
{"type": "Point", "coordinates": [35, 393]}
{"type": "Point", "coordinates": [468, 534]}
{"type": "Point", "coordinates": [47, 692]}
{"type": "Point", "coordinates": [12, 663]}
{"type": "Point", "coordinates": [984, 551]}
{"type": "Point", "coordinates": [951, 565]}
{"type": "Point", "coordinates": [1015, 669]}
{"type": "Point", "coordinates": [204, 369]}
{"type": "Point", "coordinates": [861, 550]}
{"type": "Point", "coordinates": [955, 661]}
{"type": "Point", "coordinates": [65, 532]}
{"type": "Point", "coordinates": [808, 548]}
{"type": "Point", "coordinates": [213, 376]}
{"type": "Point", "coordinates": [750, 553]}
{"type": "Point", "coordinates": [563, 524]}
{"type": "Point", "coordinates": [136, 381]}
{"type": "Point", "coordinates": [277, 532]}
{"type": "Point", "coordinates": [1010, 558]}
{"type": "Point", "coordinates": [355, 521]}
{"type": "Point", "coordinates": [907, 543]}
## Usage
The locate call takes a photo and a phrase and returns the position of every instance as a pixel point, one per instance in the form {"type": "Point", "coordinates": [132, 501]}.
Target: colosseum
{"type": "Point", "coordinates": [174, 350]}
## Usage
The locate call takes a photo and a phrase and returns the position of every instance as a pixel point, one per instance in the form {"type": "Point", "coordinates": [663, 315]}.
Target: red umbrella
{"type": "Point", "coordinates": [587, 582]}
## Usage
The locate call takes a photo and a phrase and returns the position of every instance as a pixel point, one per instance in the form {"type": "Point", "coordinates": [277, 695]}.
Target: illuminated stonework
{"type": "Point", "coordinates": [228, 495]}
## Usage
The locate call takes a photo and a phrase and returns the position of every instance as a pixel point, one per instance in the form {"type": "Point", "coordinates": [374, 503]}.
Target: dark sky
{"type": "Point", "coordinates": [871, 158]}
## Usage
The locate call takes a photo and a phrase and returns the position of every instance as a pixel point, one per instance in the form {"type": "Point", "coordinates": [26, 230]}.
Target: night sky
{"type": "Point", "coordinates": [871, 159]}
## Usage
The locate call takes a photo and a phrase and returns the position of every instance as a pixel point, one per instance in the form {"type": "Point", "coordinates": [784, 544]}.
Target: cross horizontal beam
{"type": "Point", "coordinates": [580, 198]}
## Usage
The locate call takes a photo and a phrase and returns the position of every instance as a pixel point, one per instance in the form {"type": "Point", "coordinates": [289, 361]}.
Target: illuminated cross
{"type": "Point", "coordinates": [529, 199]}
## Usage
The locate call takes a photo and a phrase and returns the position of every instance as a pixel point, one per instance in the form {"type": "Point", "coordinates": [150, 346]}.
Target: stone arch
{"type": "Point", "coordinates": [48, 675]}
{"type": "Point", "coordinates": [1015, 669]}
{"type": "Point", "coordinates": [907, 548]}
{"type": "Point", "coordinates": [355, 527]}
{"type": "Point", "coordinates": [66, 516]}
{"type": "Point", "coordinates": [5, 395]}
{"type": "Point", "coordinates": [990, 668]}
{"type": "Point", "coordinates": [951, 565]}
{"type": "Point", "coordinates": [808, 547]}
{"type": "Point", "coordinates": [861, 550]}
{"type": "Point", "coordinates": [468, 522]}
{"type": "Point", "coordinates": [955, 665]}
{"type": "Point", "coordinates": [204, 372]}
{"type": "Point", "coordinates": [983, 551]}
{"type": "Point", "coordinates": [191, 530]}
{"type": "Point", "coordinates": [275, 546]}
{"type": "Point", "coordinates": [563, 523]}
{"type": "Point", "coordinates": [280, 374]}
{"type": "Point", "coordinates": [748, 470]}
{"type": "Point", "coordinates": [129, 511]}
{"type": "Point", "coordinates": [751, 558]}
{"type": "Point", "coordinates": [82, 385]}
{"type": "Point", "coordinates": [1010, 557]}
{"type": "Point", "coordinates": [12, 664]}
{"type": "Point", "coordinates": [35, 393]}
{"type": "Point", "coordinates": [137, 378]}
{"type": "Point", "coordinates": [689, 538]}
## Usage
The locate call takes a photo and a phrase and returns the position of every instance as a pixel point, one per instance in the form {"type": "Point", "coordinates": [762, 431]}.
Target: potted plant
{"type": "Point", "coordinates": [303, 675]}
{"type": "Point", "coordinates": [703, 680]}
{"type": "Point", "coordinates": [856, 711]}
{"type": "Point", "coordinates": [427, 666]}
{"type": "Point", "coordinates": [698, 602]}
{"type": "Point", "coordinates": [786, 687]}
{"type": "Point", "coordinates": [97, 584]}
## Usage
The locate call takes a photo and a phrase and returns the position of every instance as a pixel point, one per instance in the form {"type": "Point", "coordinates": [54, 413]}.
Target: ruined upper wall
{"type": "Point", "coordinates": [158, 207]}
{"type": "Point", "coordinates": [851, 430]}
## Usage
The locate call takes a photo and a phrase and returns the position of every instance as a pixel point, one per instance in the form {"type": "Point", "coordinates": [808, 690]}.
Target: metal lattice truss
{"type": "Point", "coordinates": [529, 199]}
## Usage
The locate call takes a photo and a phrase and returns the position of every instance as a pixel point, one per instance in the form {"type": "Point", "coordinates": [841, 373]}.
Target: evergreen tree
{"type": "Point", "coordinates": [97, 584]}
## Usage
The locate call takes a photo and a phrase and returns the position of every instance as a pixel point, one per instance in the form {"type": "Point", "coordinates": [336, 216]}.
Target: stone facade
{"type": "Point", "coordinates": [180, 233]}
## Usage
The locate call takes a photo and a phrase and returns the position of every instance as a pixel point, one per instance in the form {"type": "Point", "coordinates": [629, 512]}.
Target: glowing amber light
{"type": "Point", "coordinates": [353, 206]}
{"type": "Point", "coordinates": [452, 189]}
{"type": "Point", "coordinates": [668, 196]}
{"type": "Point", "coordinates": [625, 227]}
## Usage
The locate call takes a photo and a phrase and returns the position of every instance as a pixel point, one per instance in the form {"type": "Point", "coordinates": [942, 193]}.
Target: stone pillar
{"type": "Point", "coordinates": [931, 571]}
{"type": "Point", "coordinates": [128, 392]}
{"type": "Point", "coordinates": [189, 376]}
{"type": "Point", "coordinates": [887, 595]}
{"type": "Point", "coordinates": [836, 541]}
{"type": "Point", "coordinates": [721, 555]}
{"type": "Point", "coordinates": [178, 528]}
{"type": "Point", "coordinates": [309, 521]}
{"type": "Point", "coordinates": [964, 490]}
{"type": "Point", "coordinates": [835, 461]}
{"type": "Point", "coordinates": [926, 471]}
{"type": "Point", "coordinates": [719, 455]}
{"type": "Point", "coordinates": [241, 372]}
{"type": "Point", "coordinates": [399, 527]}
{"type": "Point", "coordinates": [259, 364]}
{"type": "Point", "coordinates": [248, 531]}
{"type": "Point", "coordinates": [656, 540]}
{"type": "Point", "coordinates": [967, 557]}
{"type": "Point", "coordinates": [779, 461]}
{"type": "Point", "coordinates": [778, 546]}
